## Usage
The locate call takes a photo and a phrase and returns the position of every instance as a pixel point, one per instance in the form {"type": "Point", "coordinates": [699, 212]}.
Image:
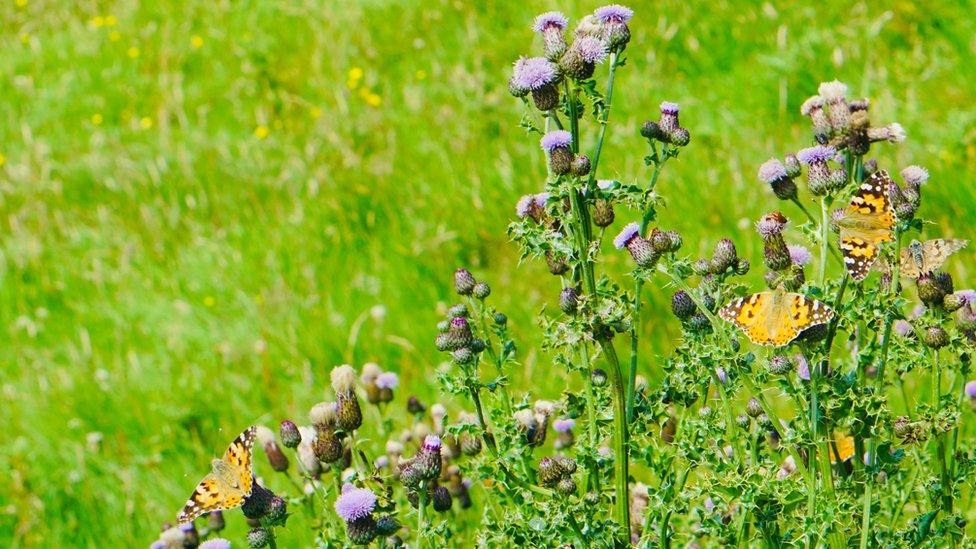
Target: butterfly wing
{"type": "Point", "coordinates": [841, 448]}
{"type": "Point", "coordinates": [935, 252]}
{"type": "Point", "coordinates": [211, 494]}
{"type": "Point", "coordinates": [751, 315]}
{"type": "Point", "coordinates": [907, 264]}
{"type": "Point", "coordinates": [867, 223]}
{"type": "Point", "coordinates": [238, 456]}
{"type": "Point", "coordinates": [797, 313]}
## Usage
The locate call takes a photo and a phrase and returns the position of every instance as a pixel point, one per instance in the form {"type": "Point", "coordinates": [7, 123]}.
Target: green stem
{"type": "Point", "coordinates": [592, 428]}
{"type": "Point", "coordinates": [638, 303]}
{"type": "Point", "coordinates": [583, 232]}
{"type": "Point", "coordinates": [604, 116]}
{"type": "Point", "coordinates": [421, 507]}
{"type": "Point", "coordinates": [879, 386]}
{"type": "Point", "coordinates": [824, 242]}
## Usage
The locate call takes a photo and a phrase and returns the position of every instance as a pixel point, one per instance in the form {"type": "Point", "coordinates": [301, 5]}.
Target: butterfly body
{"type": "Point", "coordinates": [775, 317]}
{"type": "Point", "coordinates": [229, 482]}
{"type": "Point", "coordinates": [865, 224]}
{"type": "Point", "coordinates": [921, 258]}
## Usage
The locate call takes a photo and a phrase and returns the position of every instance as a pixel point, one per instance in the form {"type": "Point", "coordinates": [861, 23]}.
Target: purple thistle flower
{"type": "Point", "coordinates": [892, 133]}
{"type": "Point", "coordinates": [721, 375]}
{"type": "Point", "coordinates": [772, 170]}
{"type": "Point", "coordinates": [550, 19]}
{"type": "Point", "coordinates": [387, 380]}
{"type": "Point", "coordinates": [771, 225]}
{"type": "Point", "coordinates": [563, 425]}
{"type": "Point", "coordinates": [541, 199]}
{"type": "Point", "coordinates": [604, 184]}
{"type": "Point", "coordinates": [816, 154]}
{"type": "Point", "coordinates": [591, 49]}
{"type": "Point", "coordinates": [533, 73]}
{"type": "Point", "coordinates": [971, 389]}
{"type": "Point", "coordinates": [157, 545]}
{"type": "Point", "coordinates": [799, 255]}
{"type": "Point", "coordinates": [915, 175]}
{"type": "Point", "coordinates": [614, 13]}
{"type": "Point", "coordinates": [555, 140]}
{"type": "Point", "coordinates": [355, 503]}
{"type": "Point", "coordinates": [432, 443]}
{"type": "Point", "coordinates": [902, 328]}
{"type": "Point", "coordinates": [215, 543]}
{"type": "Point", "coordinates": [628, 232]}
{"type": "Point", "coordinates": [917, 312]}
{"type": "Point", "coordinates": [968, 296]}
{"type": "Point", "coordinates": [669, 108]}
{"type": "Point", "coordinates": [524, 205]}
{"type": "Point", "coordinates": [802, 367]}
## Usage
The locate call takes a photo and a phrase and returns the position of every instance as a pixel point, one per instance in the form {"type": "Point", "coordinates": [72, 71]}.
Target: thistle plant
{"type": "Point", "coordinates": [821, 410]}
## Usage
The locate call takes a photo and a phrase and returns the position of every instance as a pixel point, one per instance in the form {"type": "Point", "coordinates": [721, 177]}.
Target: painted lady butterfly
{"type": "Point", "coordinates": [921, 258]}
{"type": "Point", "coordinates": [229, 482]}
{"type": "Point", "coordinates": [866, 223]}
{"type": "Point", "coordinates": [775, 317]}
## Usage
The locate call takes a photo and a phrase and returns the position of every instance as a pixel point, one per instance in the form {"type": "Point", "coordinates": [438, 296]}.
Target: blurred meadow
{"type": "Point", "coordinates": [204, 206]}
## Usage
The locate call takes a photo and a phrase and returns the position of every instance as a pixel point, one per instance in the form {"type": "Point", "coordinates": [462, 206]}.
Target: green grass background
{"type": "Point", "coordinates": [200, 213]}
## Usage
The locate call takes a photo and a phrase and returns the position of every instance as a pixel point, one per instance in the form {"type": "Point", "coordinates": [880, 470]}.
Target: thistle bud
{"type": "Point", "coordinates": [386, 382]}
{"type": "Point", "coordinates": [499, 319]}
{"type": "Point", "coordinates": [699, 324]}
{"type": "Point", "coordinates": [566, 486]}
{"type": "Point", "coordinates": [581, 165]}
{"type": "Point", "coordinates": [819, 176]}
{"type": "Point", "coordinates": [892, 133]}
{"type": "Point", "coordinates": [327, 446]}
{"type": "Point", "coordinates": [258, 503]}
{"type": "Point", "coordinates": [930, 291]}
{"type": "Point", "coordinates": [956, 300]}
{"type": "Point", "coordinates": [550, 471]}
{"type": "Point", "coordinates": [724, 256]}
{"type": "Point", "coordinates": [569, 300]}
{"type": "Point", "coordinates": [459, 334]}
{"type": "Point", "coordinates": [428, 459]}
{"type": "Point", "coordinates": [935, 337]}
{"type": "Point", "coordinates": [291, 437]}
{"type": "Point", "coordinates": [814, 108]}
{"type": "Point", "coordinates": [682, 305]}
{"type": "Point", "coordinates": [551, 26]}
{"type": "Point", "coordinates": [556, 265]}
{"type": "Point", "coordinates": [215, 521]}
{"type": "Point", "coordinates": [701, 267]}
{"type": "Point", "coordinates": [581, 58]}
{"type": "Point", "coordinates": [387, 525]}
{"type": "Point", "coordinates": [277, 512]}
{"type": "Point", "coordinates": [970, 390]}
{"type": "Point", "coordinates": [838, 112]}
{"type": "Point", "coordinates": [481, 290]}
{"type": "Point", "coordinates": [463, 356]}
{"type": "Point", "coordinates": [742, 421]}
{"type": "Point", "coordinates": [776, 254]}
{"type": "Point", "coordinates": [614, 19]}
{"type": "Point", "coordinates": [598, 377]}
{"type": "Point", "coordinates": [603, 215]}
{"type": "Point", "coordinates": [349, 414]}
{"type": "Point", "coordinates": [652, 130]}
{"type": "Point", "coordinates": [754, 408]}
{"type": "Point", "coordinates": [464, 282]}
{"type": "Point", "coordinates": [362, 531]}
{"type": "Point", "coordinates": [414, 406]}
{"type": "Point", "coordinates": [640, 249]}
{"type": "Point", "coordinates": [774, 173]}
{"type": "Point", "coordinates": [258, 537]}
{"type": "Point", "coordinates": [456, 310]}
{"type": "Point", "coordinates": [742, 267]}
{"type": "Point", "coordinates": [441, 499]}
{"type": "Point", "coordinates": [780, 365]}
{"type": "Point", "coordinates": [669, 117]}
